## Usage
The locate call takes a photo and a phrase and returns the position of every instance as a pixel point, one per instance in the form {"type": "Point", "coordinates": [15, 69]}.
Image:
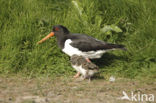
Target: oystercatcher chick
{"type": "Point", "coordinates": [80, 44]}
{"type": "Point", "coordinates": [85, 68]}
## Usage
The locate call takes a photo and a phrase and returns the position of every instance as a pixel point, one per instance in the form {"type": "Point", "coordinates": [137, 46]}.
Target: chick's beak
{"type": "Point", "coordinates": [45, 38]}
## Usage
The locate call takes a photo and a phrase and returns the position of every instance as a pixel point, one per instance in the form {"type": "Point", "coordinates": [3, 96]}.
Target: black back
{"type": "Point", "coordinates": [86, 43]}
{"type": "Point", "coordinates": [81, 41]}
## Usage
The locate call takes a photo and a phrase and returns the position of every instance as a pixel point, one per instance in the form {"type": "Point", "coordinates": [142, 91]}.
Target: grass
{"type": "Point", "coordinates": [24, 22]}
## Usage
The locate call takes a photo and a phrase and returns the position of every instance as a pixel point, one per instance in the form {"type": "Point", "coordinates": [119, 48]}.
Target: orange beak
{"type": "Point", "coordinates": [45, 38]}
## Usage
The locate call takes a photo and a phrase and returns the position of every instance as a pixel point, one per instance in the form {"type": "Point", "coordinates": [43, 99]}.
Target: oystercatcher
{"type": "Point", "coordinates": [80, 44]}
{"type": "Point", "coordinates": [81, 65]}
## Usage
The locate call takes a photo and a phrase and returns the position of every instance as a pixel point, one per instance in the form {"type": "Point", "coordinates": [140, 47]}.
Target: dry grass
{"type": "Point", "coordinates": [67, 90]}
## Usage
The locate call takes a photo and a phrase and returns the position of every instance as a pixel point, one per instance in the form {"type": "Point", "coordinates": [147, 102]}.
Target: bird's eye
{"type": "Point", "coordinates": [56, 29]}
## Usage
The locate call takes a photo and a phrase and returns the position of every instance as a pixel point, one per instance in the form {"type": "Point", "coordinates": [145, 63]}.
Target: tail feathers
{"type": "Point", "coordinates": [117, 46]}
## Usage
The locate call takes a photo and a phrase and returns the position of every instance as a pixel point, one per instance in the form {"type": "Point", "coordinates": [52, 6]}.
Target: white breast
{"type": "Point", "coordinates": [69, 50]}
{"type": "Point", "coordinates": [80, 69]}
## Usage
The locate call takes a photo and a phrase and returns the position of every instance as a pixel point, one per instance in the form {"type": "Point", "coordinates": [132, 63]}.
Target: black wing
{"type": "Point", "coordinates": [86, 43]}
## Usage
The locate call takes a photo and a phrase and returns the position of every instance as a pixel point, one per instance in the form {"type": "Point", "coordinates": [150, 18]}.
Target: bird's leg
{"type": "Point", "coordinates": [77, 75]}
{"type": "Point", "coordinates": [89, 79]}
{"type": "Point", "coordinates": [88, 60]}
{"type": "Point", "coordinates": [82, 78]}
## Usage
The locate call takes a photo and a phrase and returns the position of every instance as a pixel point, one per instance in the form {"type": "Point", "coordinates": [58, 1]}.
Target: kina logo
{"type": "Point", "coordinates": [137, 97]}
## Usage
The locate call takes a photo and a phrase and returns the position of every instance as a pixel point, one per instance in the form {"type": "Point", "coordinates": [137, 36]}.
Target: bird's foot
{"type": "Point", "coordinates": [88, 60]}
{"type": "Point", "coordinates": [76, 75]}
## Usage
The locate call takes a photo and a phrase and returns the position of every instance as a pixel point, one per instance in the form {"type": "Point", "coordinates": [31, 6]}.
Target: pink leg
{"type": "Point", "coordinates": [77, 75]}
{"type": "Point", "coordinates": [88, 60]}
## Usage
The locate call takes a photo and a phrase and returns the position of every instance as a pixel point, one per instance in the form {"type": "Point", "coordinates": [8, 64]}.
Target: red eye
{"type": "Point", "coordinates": [56, 29]}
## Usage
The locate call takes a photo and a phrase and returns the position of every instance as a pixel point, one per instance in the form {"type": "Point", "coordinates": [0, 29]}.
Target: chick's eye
{"type": "Point", "coordinates": [56, 29]}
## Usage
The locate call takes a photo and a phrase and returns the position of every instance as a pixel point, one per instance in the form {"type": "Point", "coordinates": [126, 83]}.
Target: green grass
{"type": "Point", "coordinates": [24, 22]}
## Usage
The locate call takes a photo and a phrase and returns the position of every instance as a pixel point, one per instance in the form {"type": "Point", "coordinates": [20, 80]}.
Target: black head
{"type": "Point", "coordinates": [60, 29]}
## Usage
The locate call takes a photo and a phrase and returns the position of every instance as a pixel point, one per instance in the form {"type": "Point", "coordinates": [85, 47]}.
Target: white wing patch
{"type": "Point", "coordinates": [69, 50]}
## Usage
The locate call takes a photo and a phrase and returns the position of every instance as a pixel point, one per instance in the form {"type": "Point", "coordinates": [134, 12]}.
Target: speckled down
{"type": "Point", "coordinates": [87, 69]}
{"type": "Point", "coordinates": [80, 60]}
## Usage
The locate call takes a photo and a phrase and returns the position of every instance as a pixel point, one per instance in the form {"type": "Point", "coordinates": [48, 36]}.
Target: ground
{"type": "Point", "coordinates": [19, 89]}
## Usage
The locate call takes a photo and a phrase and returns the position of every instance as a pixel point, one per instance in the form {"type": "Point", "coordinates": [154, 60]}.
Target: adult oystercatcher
{"type": "Point", "coordinates": [80, 44]}
{"type": "Point", "coordinates": [81, 65]}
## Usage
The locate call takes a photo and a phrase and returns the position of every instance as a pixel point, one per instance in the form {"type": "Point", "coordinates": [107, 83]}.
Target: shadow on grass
{"type": "Point", "coordinates": [106, 60]}
{"type": "Point", "coordinates": [98, 76]}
